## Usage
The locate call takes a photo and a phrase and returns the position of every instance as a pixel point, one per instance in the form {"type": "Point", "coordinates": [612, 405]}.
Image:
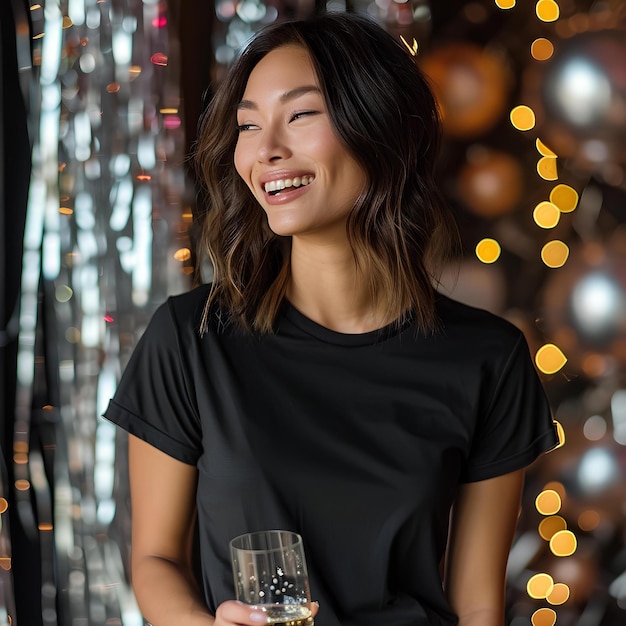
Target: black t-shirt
{"type": "Point", "coordinates": [357, 442]}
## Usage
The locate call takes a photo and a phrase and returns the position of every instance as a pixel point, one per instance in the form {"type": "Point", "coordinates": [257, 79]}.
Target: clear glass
{"type": "Point", "coordinates": [270, 572]}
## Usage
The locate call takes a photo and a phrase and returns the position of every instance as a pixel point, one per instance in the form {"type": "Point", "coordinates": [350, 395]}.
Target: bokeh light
{"type": "Point", "coordinates": [543, 617]}
{"type": "Point", "coordinates": [539, 586]}
{"type": "Point", "coordinates": [598, 305]}
{"type": "Point", "coordinates": [542, 49]}
{"type": "Point", "coordinates": [488, 250]}
{"type": "Point", "coordinates": [523, 117]}
{"type": "Point", "coordinates": [550, 359]}
{"type": "Point", "coordinates": [543, 149]}
{"type": "Point", "coordinates": [546, 168]}
{"type": "Point", "coordinates": [555, 253]}
{"type": "Point", "coordinates": [547, 10]}
{"type": "Point", "coordinates": [546, 215]}
{"type": "Point", "coordinates": [564, 197]}
{"type": "Point", "coordinates": [589, 520]}
{"type": "Point", "coordinates": [551, 525]}
{"type": "Point", "coordinates": [563, 543]}
{"type": "Point", "coordinates": [559, 595]}
{"type": "Point", "coordinates": [548, 502]}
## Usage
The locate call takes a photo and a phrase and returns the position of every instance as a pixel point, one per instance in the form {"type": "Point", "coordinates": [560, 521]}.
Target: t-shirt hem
{"type": "Point", "coordinates": [134, 425]}
{"type": "Point", "coordinates": [544, 443]}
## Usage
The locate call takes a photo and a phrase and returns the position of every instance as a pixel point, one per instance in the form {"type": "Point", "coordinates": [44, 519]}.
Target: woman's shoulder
{"type": "Point", "coordinates": [190, 300]}
{"type": "Point", "coordinates": [472, 326]}
{"type": "Point", "coordinates": [185, 309]}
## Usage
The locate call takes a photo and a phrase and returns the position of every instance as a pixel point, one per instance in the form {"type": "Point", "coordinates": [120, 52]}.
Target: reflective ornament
{"type": "Point", "coordinates": [491, 182]}
{"type": "Point", "coordinates": [471, 87]}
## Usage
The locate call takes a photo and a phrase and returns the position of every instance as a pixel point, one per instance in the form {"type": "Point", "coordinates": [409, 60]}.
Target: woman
{"type": "Point", "coordinates": [320, 384]}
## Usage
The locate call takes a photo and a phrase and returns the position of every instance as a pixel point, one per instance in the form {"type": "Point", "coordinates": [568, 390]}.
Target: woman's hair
{"type": "Point", "coordinates": [383, 111]}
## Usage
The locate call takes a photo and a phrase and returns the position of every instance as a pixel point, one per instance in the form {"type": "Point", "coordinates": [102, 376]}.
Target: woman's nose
{"type": "Point", "coordinates": [273, 146]}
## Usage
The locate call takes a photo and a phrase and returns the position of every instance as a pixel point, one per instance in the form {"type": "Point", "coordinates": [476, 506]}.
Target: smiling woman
{"type": "Point", "coordinates": [321, 385]}
{"type": "Point", "coordinates": [365, 123]}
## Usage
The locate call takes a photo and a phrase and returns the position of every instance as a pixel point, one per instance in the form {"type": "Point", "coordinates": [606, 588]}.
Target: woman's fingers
{"type": "Point", "coordinates": [315, 607]}
{"type": "Point", "coordinates": [234, 613]}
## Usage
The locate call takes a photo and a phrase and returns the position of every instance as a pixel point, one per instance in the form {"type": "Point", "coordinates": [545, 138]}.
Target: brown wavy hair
{"type": "Point", "coordinates": [383, 111]}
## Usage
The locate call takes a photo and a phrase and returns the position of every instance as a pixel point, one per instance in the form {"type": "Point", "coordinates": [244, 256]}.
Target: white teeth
{"type": "Point", "coordinates": [279, 185]}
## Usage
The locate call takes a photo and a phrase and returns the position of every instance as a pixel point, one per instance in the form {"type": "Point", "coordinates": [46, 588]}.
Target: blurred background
{"type": "Point", "coordinates": [99, 104]}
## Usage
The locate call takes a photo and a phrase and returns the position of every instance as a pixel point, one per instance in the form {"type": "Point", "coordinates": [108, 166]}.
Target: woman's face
{"type": "Point", "coordinates": [287, 151]}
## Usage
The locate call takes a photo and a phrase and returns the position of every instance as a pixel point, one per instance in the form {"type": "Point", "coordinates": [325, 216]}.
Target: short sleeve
{"type": "Point", "coordinates": [516, 425]}
{"type": "Point", "coordinates": [153, 401]}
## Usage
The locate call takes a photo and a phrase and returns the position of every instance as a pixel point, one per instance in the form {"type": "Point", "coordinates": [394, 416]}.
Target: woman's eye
{"type": "Point", "coordinates": [301, 114]}
{"type": "Point", "coordinates": [243, 127]}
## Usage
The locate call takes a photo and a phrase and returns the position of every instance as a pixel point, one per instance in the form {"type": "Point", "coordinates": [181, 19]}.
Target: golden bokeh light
{"type": "Point", "coordinates": [549, 526]}
{"type": "Point", "coordinates": [182, 254]}
{"type": "Point", "coordinates": [5, 563]}
{"type": "Point", "coordinates": [539, 586]}
{"type": "Point", "coordinates": [547, 10]}
{"type": "Point", "coordinates": [4, 505]}
{"type": "Point", "coordinates": [559, 594]}
{"type": "Point", "coordinates": [546, 168]}
{"type": "Point", "coordinates": [543, 617]}
{"type": "Point", "coordinates": [67, 22]}
{"type": "Point", "coordinates": [548, 502]}
{"type": "Point", "coordinates": [589, 520]}
{"type": "Point", "coordinates": [523, 117]}
{"type": "Point", "coordinates": [65, 210]}
{"type": "Point", "coordinates": [541, 49]}
{"type": "Point", "coordinates": [44, 526]}
{"type": "Point", "coordinates": [563, 543]}
{"type": "Point", "coordinates": [542, 149]}
{"type": "Point", "coordinates": [550, 359]}
{"type": "Point", "coordinates": [488, 250]}
{"type": "Point", "coordinates": [546, 215]}
{"type": "Point", "coordinates": [505, 4]}
{"type": "Point", "coordinates": [554, 254]}
{"type": "Point", "coordinates": [564, 197]}
{"type": "Point", "coordinates": [22, 484]}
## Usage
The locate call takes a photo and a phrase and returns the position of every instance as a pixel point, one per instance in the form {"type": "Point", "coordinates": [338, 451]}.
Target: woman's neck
{"type": "Point", "coordinates": [327, 287]}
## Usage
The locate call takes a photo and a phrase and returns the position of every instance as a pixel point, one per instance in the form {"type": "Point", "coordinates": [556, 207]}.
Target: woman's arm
{"type": "Point", "coordinates": [163, 497]}
{"type": "Point", "coordinates": [163, 493]}
{"type": "Point", "coordinates": [163, 512]}
{"type": "Point", "coordinates": [483, 523]}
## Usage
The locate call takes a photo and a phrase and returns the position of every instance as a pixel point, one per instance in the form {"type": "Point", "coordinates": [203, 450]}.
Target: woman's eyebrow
{"type": "Point", "coordinates": [292, 94]}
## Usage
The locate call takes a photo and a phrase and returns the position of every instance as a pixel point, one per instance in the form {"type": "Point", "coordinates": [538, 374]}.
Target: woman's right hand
{"type": "Point", "coordinates": [234, 613]}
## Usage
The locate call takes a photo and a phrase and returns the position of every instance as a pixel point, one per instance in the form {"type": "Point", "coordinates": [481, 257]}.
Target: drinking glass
{"type": "Point", "coordinates": [270, 573]}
